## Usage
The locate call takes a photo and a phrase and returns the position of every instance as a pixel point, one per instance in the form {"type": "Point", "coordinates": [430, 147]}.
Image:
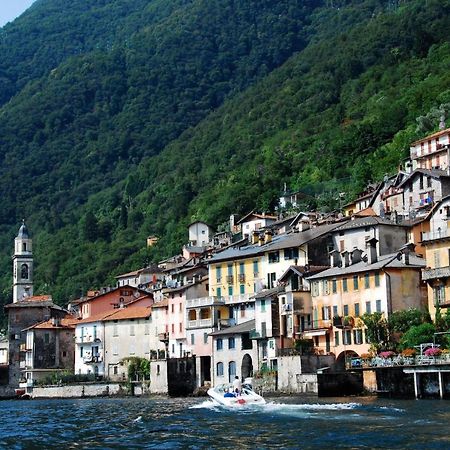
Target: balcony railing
{"type": "Point", "coordinates": [233, 299]}
{"type": "Point", "coordinates": [92, 359]}
{"type": "Point", "coordinates": [86, 339]}
{"type": "Point", "coordinates": [230, 279]}
{"type": "Point", "coordinates": [242, 278]}
{"type": "Point", "coordinates": [431, 274]}
{"type": "Point", "coordinates": [317, 325]}
{"type": "Point", "coordinates": [435, 235]}
{"type": "Point", "coordinates": [204, 301]}
{"type": "Point", "coordinates": [200, 323]}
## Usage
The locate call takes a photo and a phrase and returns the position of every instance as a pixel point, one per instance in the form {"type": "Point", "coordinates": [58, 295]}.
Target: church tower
{"type": "Point", "coordinates": [22, 265]}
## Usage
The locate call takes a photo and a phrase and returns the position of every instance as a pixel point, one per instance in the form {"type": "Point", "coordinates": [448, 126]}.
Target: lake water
{"type": "Point", "coordinates": [286, 422]}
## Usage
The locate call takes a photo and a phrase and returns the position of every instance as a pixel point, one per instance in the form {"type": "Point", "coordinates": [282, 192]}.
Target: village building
{"type": "Point", "coordinates": [234, 353]}
{"type": "Point", "coordinates": [49, 350]}
{"type": "Point", "coordinates": [432, 152]}
{"type": "Point", "coordinates": [341, 294]}
{"type": "Point", "coordinates": [437, 272]}
{"type": "Point", "coordinates": [254, 222]}
{"type": "Point", "coordinates": [99, 302]}
{"type": "Point", "coordinates": [143, 278]}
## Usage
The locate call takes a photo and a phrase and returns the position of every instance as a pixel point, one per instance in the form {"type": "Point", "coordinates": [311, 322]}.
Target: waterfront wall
{"type": "Point", "coordinates": [7, 392]}
{"type": "Point", "coordinates": [78, 390]}
{"type": "Point", "coordinates": [338, 384]}
{"type": "Point", "coordinates": [158, 377]}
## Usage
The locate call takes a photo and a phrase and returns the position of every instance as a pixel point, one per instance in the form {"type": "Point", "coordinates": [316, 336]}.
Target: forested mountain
{"type": "Point", "coordinates": [160, 112]}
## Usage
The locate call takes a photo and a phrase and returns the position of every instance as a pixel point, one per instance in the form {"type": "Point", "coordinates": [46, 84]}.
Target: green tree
{"type": "Point", "coordinates": [377, 330]}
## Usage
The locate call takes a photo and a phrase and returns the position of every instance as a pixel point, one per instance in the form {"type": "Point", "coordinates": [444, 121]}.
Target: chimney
{"type": "Point", "coordinates": [356, 255]}
{"type": "Point", "coordinates": [406, 251]}
{"type": "Point", "coordinates": [345, 258]}
{"type": "Point", "coordinates": [335, 258]}
{"type": "Point", "coordinates": [56, 321]}
{"type": "Point", "coordinates": [255, 237]}
{"type": "Point", "coordinates": [303, 225]}
{"type": "Point", "coordinates": [268, 236]}
{"type": "Point", "coordinates": [372, 250]}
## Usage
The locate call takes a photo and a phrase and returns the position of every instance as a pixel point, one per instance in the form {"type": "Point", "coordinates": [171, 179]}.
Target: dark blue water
{"type": "Point", "coordinates": [290, 422]}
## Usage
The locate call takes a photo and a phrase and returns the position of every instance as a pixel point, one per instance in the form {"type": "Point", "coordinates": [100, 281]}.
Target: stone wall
{"type": "Point", "coordinates": [7, 392]}
{"type": "Point", "coordinates": [78, 390]}
{"type": "Point", "coordinates": [158, 377]}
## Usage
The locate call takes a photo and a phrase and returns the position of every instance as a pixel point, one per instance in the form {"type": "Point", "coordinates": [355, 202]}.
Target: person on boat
{"type": "Point", "coordinates": [229, 394]}
{"type": "Point", "coordinates": [237, 385]}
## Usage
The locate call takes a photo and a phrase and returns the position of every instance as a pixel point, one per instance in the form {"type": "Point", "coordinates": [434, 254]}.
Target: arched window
{"type": "Point", "coordinates": [24, 271]}
{"type": "Point", "coordinates": [231, 371]}
{"type": "Point", "coordinates": [219, 369]}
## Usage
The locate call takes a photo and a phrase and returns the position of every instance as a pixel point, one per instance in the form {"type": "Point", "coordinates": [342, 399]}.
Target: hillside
{"type": "Point", "coordinates": [143, 138]}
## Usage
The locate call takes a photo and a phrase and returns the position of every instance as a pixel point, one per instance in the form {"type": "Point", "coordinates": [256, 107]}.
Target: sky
{"type": "Point", "coordinates": [10, 9]}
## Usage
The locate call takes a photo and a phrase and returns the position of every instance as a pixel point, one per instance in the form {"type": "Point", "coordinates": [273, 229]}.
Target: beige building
{"type": "Point", "coordinates": [340, 295]}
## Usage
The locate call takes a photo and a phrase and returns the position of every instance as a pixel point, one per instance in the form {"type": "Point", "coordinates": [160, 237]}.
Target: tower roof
{"type": "Point", "coordinates": [23, 231]}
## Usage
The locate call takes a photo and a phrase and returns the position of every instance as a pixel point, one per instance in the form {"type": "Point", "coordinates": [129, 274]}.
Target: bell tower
{"type": "Point", "coordinates": [22, 265]}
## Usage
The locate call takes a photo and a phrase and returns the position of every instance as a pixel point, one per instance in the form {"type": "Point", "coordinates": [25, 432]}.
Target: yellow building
{"type": "Point", "coordinates": [437, 248]}
{"type": "Point", "coordinates": [340, 295]}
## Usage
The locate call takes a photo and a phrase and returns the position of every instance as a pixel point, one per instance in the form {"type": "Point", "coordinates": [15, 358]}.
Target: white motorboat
{"type": "Point", "coordinates": [224, 395]}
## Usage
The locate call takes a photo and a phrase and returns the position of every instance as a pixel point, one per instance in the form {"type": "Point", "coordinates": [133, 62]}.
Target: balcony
{"type": "Point", "coordinates": [432, 274]}
{"type": "Point", "coordinates": [230, 279]}
{"type": "Point", "coordinates": [163, 337]}
{"type": "Point", "coordinates": [87, 339]}
{"type": "Point", "coordinates": [436, 235]}
{"type": "Point", "coordinates": [343, 322]}
{"type": "Point", "coordinates": [200, 323]}
{"type": "Point", "coordinates": [242, 298]}
{"type": "Point", "coordinates": [204, 301]}
{"type": "Point", "coordinates": [242, 278]}
{"type": "Point", "coordinates": [92, 359]}
{"type": "Point", "coordinates": [318, 325]}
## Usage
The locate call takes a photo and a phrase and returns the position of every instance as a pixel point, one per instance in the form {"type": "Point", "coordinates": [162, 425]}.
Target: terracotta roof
{"type": "Point", "coordinates": [39, 298]}
{"type": "Point", "coordinates": [137, 312]}
{"type": "Point", "coordinates": [66, 322]}
{"type": "Point", "coordinates": [432, 136]}
{"type": "Point", "coordinates": [367, 212]}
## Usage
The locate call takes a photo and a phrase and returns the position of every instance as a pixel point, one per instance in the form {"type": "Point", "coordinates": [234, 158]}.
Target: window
{"type": "Point", "coordinates": [173, 307]}
{"type": "Point", "coordinates": [335, 311]}
{"type": "Point", "coordinates": [358, 337]}
{"type": "Point", "coordinates": [242, 309]}
{"type": "Point", "coordinates": [378, 306]}
{"type": "Point", "coordinates": [192, 339]}
{"type": "Point", "coordinates": [205, 338]}
{"type": "Point", "coordinates": [355, 282]}
{"type": "Point", "coordinates": [230, 290]}
{"type": "Point", "coordinates": [429, 182]}
{"type": "Point", "coordinates": [81, 351]}
{"type": "Point", "coordinates": [24, 271]}
{"type": "Point", "coordinates": [271, 279]}
{"type": "Point", "coordinates": [336, 338]}
{"type": "Point", "coordinates": [231, 370]}
{"type": "Point", "coordinates": [315, 288]}
{"type": "Point", "coordinates": [439, 295]}
{"type": "Point", "coordinates": [366, 281]}
{"type": "Point", "coordinates": [181, 327]}
{"type": "Point", "coordinates": [255, 268]}
{"type": "Point", "coordinates": [291, 253]}
{"type": "Point", "coordinates": [95, 332]}
{"type": "Point", "coordinates": [231, 343]}
{"type": "Point", "coordinates": [345, 310]}
{"type": "Point", "coordinates": [219, 369]}
{"type": "Point", "coordinates": [230, 270]}
{"type": "Point", "coordinates": [347, 337]}
{"type": "Point", "coordinates": [241, 268]}
{"type": "Point", "coordinates": [242, 288]}
{"type": "Point", "coordinates": [219, 344]}
{"type": "Point", "coordinates": [181, 306]}
{"type": "Point", "coordinates": [173, 328]}
{"type": "Point", "coordinates": [377, 279]}
{"type": "Point", "coordinates": [368, 308]}
{"type": "Point", "coordinates": [115, 330]}
{"type": "Point", "coordinates": [274, 257]}
{"type": "Point", "coordinates": [334, 286]}
{"type": "Point", "coordinates": [219, 292]}
{"type": "Point", "coordinates": [325, 287]}
{"type": "Point", "coordinates": [218, 274]}
{"type": "Point", "coordinates": [263, 306]}
{"type": "Point", "coordinates": [116, 370]}
{"type": "Point", "coordinates": [344, 284]}
{"type": "Point", "coordinates": [357, 310]}
{"type": "Point", "coordinates": [326, 312]}
{"type": "Point", "coordinates": [131, 330]}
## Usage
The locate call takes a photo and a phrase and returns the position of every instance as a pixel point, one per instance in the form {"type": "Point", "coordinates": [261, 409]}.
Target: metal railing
{"type": "Point", "coordinates": [434, 235]}
{"type": "Point", "coordinates": [204, 301]}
